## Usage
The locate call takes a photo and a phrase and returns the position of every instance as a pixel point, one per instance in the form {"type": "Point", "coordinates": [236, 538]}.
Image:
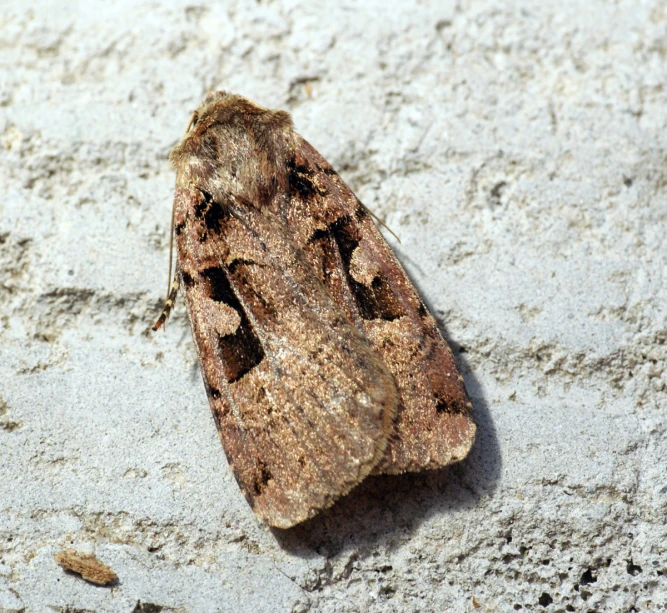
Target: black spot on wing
{"type": "Point", "coordinates": [262, 478]}
{"type": "Point", "coordinates": [212, 212]}
{"type": "Point", "coordinates": [187, 279]}
{"type": "Point", "coordinates": [238, 262]}
{"type": "Point", "coordinates": [214, 216]}
{"type": "Point", "coordinates": [379, 300]}
{"type": "Point", "coordinates": [201, 207]}
{"type": "Point", "coordinates": [449, 407]}
{"type": "Point", "coordinates": [361, 212]}
{"type": "Point", "coordinates": [218, 287]}
{"type": "Point", "coordinates": [299, 179]}
{"type": "Point", "coordinates": [213, 392]}
{"type": "Point", "coordinates": [441, 406]}
{"type": "Point", "coordinates": [319, 235]}
{"type": "Point", "coordinates": [240, 351]}
{"type": "Point", "coordinates": [375, 301]}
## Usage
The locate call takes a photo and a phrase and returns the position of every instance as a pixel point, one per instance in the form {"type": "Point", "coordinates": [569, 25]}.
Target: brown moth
{"type": "Point", "coordinates": [86, 565]}
{"type": "Point", "coordinates": [321, 363]}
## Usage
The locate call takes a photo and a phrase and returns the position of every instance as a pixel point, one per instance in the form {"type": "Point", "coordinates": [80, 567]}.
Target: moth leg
{"type": "Point", "coordinates": [171, 298]}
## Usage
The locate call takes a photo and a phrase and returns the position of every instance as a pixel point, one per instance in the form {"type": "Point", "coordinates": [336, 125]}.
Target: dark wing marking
{"type": "Point", "coordinates": [303, 405]}
{"type": "Point", "coordinates": [361, 273]}
{"type": "Point", "coordinates": [374, 300]}
{"type": "Point", "coordinates": [240, 350]}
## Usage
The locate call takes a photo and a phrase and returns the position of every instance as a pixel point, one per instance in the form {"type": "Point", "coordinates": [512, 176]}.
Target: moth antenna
{"type": "Point", "coordinates": [171, 298]}
{"type": "Point", "coordinates": [171, 249]}
{"type": "Point", "coordinates": [384, 225]}
{"type": "Point", "coordinates": [172, 289]}
{"type": "Point", "coordinates": [194, 118]}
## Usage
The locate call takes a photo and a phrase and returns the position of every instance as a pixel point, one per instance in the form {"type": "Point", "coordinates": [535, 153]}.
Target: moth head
{"type": "Point", "coordinates": [206, 106]}
{"type": "Point", "coordinates": [237, 143]}
{"type": "Point", "coordinates": [222, 108]}
{"type": "Point", "coordinates": [212, 97]}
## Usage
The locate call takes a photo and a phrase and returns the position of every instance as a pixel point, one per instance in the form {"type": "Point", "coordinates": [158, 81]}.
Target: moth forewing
{"type": "Point", "coordinates": [320, 361]}
{"type": "Point", "coordinates": [433, 427]}
{"type": "Point", "coordinates": [303, 404]}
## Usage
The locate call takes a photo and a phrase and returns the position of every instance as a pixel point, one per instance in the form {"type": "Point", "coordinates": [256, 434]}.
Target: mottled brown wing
{"type": "Point", "coordinates": [351, 258]}
{"type": "Point", "coordinates": [303, 405]}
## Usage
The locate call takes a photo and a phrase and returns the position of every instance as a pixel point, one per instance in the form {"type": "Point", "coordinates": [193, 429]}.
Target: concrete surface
{"type": "Point", "coordinates": [517, 148]}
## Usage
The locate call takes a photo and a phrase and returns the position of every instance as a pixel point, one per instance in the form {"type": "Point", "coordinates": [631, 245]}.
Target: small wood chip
{"type": "Point", "coordinates": [86, 565]}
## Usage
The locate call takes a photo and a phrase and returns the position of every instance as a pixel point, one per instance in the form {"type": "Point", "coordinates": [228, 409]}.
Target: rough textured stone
{"type": "Point", "coordinates": [517, 149]}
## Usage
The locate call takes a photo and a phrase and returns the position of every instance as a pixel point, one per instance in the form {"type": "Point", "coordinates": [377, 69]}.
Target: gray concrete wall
{"type": "Point", "coordinates": [517, 149]}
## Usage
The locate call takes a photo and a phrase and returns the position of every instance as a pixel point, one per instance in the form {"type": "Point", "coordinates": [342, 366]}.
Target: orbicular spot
{"type": "Point", "coordinates": [241, 350]}
{"type": "Point", "coordinates": [260, 395]}
{"type": "Point", "coordinates": [178, 229]}
{"type": "Point", "coordinates": [375, 301]}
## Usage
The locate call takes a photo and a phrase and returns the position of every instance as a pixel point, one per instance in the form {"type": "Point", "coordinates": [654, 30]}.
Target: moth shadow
{"type": "Point", "coordinates": [387, 505]}
{"type": "Point", "coordinates": [404, 258]}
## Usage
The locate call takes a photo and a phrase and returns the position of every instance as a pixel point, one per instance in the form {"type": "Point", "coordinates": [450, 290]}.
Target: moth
{"type": "Point", "coordinates": [86, 565]}
{"type": "Point", "coordinates": [321, 363]}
